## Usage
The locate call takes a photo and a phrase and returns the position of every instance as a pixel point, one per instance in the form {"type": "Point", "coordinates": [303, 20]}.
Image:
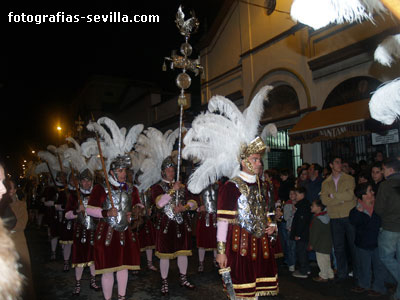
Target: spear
{"type": "Point", "coordinates": [103, 167]}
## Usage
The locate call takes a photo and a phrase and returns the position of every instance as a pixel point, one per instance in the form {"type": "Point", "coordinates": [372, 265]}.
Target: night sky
{"type": "Point", "coordinates": [43, 66]}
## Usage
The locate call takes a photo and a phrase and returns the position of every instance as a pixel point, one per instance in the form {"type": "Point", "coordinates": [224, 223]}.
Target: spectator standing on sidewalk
{"type": "Point", "coordinates": [314, 182]}
{"type": "Point", "coordinates": [337, 193]}
{"type": "Point", "coordinates": [288, 214]}
{"type": "Point", "coordinates": [321, 241]}
{"type": "Point", "coordinates": [387, 206]}
{"type": "Point", "coordinates": [300, 232]}
{"type": "Point", "coordinates": [367, 224]}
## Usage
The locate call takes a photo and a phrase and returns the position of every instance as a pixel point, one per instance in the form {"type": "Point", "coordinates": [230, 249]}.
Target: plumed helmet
{"type": "Point", "coordinates": [86, 174]}
{"type": "Point", "coordinates": [121, 162]}
{"type": "Point", "coordinates": [167, 162]}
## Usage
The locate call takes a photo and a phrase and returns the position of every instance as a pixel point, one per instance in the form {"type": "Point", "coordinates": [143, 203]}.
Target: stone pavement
{"type": "Point", "coordinates": [52, 283]}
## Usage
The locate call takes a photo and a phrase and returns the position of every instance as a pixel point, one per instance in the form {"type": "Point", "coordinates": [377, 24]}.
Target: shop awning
{"type": "Point", "coordinates": [332, 123]}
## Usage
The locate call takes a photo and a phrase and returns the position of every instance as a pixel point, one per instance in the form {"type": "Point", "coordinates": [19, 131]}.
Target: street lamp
{"type": "Point", "coordinates": [59, 128]}
{"type": "Point", "coordinates": [33, 152]}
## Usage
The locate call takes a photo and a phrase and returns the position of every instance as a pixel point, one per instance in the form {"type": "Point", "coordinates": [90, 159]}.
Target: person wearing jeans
{"type": "Point", "coordinates": [367, 224]}
{"type": "Point", "coordinates": [387, 206]}
{"type": "Point", "coordinates": [300, 232]}
{"type": "Point", "coordinates": [337, 193]}
{"type": "Point", "coordinates": [288, 213]}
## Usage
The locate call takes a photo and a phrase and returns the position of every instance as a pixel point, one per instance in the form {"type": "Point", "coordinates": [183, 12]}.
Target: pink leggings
{"type": "Point", "coordinates": [79, 271]}
{"type": "Point", "coordinates": [67, 251]}
{"type": "Point", "coordinates": [202, 253]}
{"type": "Point", "coordinates": [182, 265]}
{"type": "Point", "coordinates": [107, 282]}
{"type": "Point", "coordinates": [54, 242]}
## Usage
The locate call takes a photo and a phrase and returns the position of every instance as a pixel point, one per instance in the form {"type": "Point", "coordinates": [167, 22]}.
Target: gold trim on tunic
{"type": "Point", "coordinates": [227, 212]}
{"type": "Point", "coordinates": [147, 248]}
{"type": "Point", "coordinates": [230, 221]}
{"type": "Point", "coordinates": [253, 284]}
{"type": "Point", "coordinates": [66, 242]}
{"type": "Point", "coordinates": [173, 255]}
{"type": "Point", "coordinates": [116, 269]}
{"type": "Point", "coordinates": [278, 255]}
{"type": "Point", "coordinates": [83, 265]}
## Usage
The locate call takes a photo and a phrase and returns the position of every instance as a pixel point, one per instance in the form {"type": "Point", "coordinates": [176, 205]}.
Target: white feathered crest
{"type": "Point", "coordinates": [385, 101]}
{"type": "Point", "coordinates": [74, 157]}
{"type": "Point", "coordinates": [51, 157]}
{"type": "Point", "coordinates": [137, 161]}
{"type": "Point", "coordinates": [217, 135]}
{"type": "Point", "coordinates": [41, 168]}
{"type": "Point", "coordinates": [155, 146]}
{"type": "Point", "coordinates": [117, 144]}
{"type": "Point", "coordinates": [320, 13]}
{"type": "Point", "coordinates": [388, 50]}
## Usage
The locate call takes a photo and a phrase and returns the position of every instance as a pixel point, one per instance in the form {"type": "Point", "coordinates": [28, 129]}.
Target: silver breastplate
{"type": "Point", "coordinates": [123, 203]}
{"type": "Point", "coordinates": [83, 218]}
{"type": "Point", "coordinates": [168, 209]}
{"type": "Point", "coordinates": [210, 196]}
{"type": "Point", "coordinates": [251, 208]}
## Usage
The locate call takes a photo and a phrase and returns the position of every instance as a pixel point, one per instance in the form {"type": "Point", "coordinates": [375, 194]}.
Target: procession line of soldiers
{"type": "Point", "coordinates": [110, 223]}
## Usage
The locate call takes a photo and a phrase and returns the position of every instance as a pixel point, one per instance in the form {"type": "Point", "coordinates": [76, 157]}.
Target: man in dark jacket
{"type": "Point", "coordinates": [300, 232]}
{"type": "Point", "coordinates": [314, 182]}
{"type": "Point", "coordinates": [387, 206]}
{"type": "Point", "coordinates": [367, 224]}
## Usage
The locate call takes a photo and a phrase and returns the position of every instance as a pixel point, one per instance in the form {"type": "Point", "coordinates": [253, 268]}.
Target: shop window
{"type": "Point", "coordinates": [282, 155]}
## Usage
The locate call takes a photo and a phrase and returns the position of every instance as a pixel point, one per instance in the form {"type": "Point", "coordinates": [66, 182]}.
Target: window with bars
{"type": "Point", "coordinates": [282, 155]}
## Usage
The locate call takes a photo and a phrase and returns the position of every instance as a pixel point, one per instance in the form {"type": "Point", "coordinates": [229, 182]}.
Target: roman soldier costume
{"type": "Point", "coordinates": [206, 228]}
{"type": "Point", "coordinates": [144, 225]}
{"type": "Point", "coordinates": [84, 226]}
{"type": "Point", "coordinates": [116, 245]}
{"type": "Point", "coordinates": [242, 219]}
{"type": "Point", "coordinates": [173, 230]}
{"type": "Point", "coordinates": [54, 197]}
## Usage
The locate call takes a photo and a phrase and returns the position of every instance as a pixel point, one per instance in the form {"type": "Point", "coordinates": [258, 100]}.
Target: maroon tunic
{"type": "Point", "coordinates": [251, 276]}
{"type": "Point", "coordinates": [206, 236]}
{"type": "Point", "coordinates": [168, 244]}
{"type": "Point", "coordinates": [114, 257]}
{"type": "Point", "coordinates": [82, 251]}
{"type": "Point", "coordinates": [147, 235]}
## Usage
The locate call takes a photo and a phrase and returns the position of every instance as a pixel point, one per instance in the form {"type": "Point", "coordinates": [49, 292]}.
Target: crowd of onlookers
{"type": "Point", "coordinates": [346, 217]}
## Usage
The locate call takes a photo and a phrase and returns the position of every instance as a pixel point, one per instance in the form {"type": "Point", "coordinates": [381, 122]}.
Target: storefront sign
{"type": "Point", "coordinates": [392, 136]}
{"type": "Point", "coordinates": [333, 132]}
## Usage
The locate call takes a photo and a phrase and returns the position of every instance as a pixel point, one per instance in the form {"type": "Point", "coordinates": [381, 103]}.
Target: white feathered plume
{"type": "Point", "coordinates": [388, 50]}
{"type": "Point", "coordinates": [117, 144]}
{"type": "Point", "coordinates": [385, 102]}
{"type": "Point", "coordinates": [74, 157]}
{"type": "Point", "coordinates": [52, 162]}
{"type": "Point", "coordinates": [137, 161]}
{"type": "Point", "coordinates": [320, 13]}
{"type": "Point", "coordinates": [156, 147]}
{"type": "Point", "coordinates": [217, 135]}
{"type": "Point", "coordinates": [41, 168]}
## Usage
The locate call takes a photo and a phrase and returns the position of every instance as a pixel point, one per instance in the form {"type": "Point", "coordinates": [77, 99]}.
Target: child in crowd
{"type": "Point", "coordinates": [321, 240]}
{"type": "Point", "coordinates": [288, 213]}
{"type": "Point", "coordinates": [367, 224]}
{"type": "Point", "coordinates": [300, 232]}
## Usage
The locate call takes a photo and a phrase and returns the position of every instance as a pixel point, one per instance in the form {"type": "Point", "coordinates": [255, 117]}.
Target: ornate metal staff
{"type": "Point", "coordinates": [183, 80]}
